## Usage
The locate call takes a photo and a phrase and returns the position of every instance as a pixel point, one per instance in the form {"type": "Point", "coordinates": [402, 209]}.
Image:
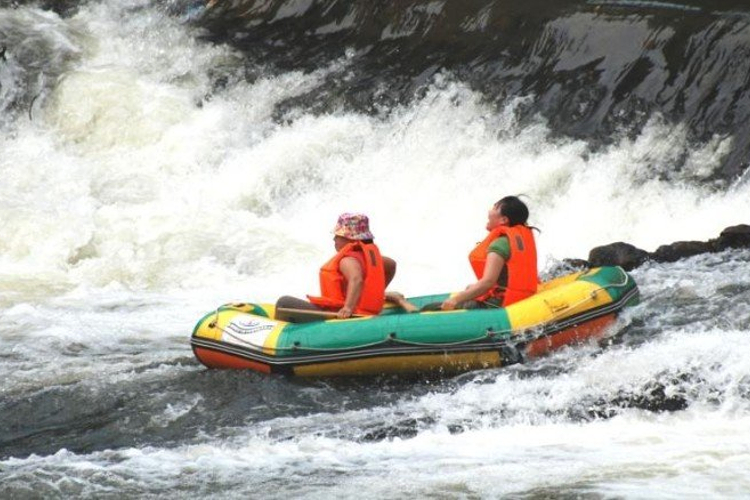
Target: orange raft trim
{"type": "Point", "coordinates": [578, 307]}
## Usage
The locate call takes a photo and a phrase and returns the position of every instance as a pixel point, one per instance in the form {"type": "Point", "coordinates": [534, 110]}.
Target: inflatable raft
{"type": "Point", "coordinates": [566, 310]}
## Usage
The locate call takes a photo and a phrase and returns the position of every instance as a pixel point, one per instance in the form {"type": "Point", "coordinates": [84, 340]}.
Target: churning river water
{"type": "Point", "coordinates": [158, 159]}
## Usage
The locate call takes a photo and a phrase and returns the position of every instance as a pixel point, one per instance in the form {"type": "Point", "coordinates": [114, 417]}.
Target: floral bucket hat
{"type": "Point", "coordinates": [353, 227]}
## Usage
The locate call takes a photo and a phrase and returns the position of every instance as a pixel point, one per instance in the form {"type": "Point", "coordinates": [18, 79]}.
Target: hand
{"type": "Point", "coordinates": [344, 312]}
{"type": "Point", "coordinates": [448, 304]}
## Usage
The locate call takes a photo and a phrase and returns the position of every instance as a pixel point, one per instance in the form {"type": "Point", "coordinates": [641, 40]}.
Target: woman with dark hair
{"type": "Point", "coordinates": [504, 262]}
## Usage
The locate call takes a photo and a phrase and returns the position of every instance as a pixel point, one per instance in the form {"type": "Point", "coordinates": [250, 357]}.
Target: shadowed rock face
{"type": "Point", "coordinates": [621, 254]}
{"type": "Point", "coordinates": [629, 257]}
{"type": "Point", "coordinates": [734, 237]}
{"type": "Point", "coordinates": [595, 70]}
{"type": "Point", "coordinates": [681, 249]}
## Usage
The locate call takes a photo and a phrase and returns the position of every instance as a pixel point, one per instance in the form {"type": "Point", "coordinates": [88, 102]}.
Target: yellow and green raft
{"type": "Point", "coordinates": [565, 310]}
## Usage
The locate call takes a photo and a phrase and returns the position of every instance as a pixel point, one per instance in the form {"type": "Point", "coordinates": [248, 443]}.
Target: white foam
{"type": "Point", "coordinates": [127, 180]}
{"type": "Point", "coordinates": [622, 457]}
{"type": "Point", "coordinates": [140, 197]}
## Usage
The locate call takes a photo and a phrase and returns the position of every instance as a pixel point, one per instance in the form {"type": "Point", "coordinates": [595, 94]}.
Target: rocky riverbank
{"type": "Point", "coordinates": [629, 256]}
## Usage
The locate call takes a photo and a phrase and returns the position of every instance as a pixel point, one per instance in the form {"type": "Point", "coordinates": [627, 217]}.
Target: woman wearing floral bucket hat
{"type": "Point", "coordinates": [354, 280]}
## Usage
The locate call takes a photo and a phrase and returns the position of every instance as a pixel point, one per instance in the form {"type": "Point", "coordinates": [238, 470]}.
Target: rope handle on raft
{"type": "Point", "coordinates": [527, 334]}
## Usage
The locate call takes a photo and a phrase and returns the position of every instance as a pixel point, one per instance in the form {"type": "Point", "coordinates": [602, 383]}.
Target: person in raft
{"type": "Point", "coordinates": [504, 262]}
{"type": "Point", "coordinates": [354, 280]}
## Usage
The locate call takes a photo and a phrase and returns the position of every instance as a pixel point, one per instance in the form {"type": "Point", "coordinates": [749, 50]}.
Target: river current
{"type": "Point", "coordinates": [158, 159]}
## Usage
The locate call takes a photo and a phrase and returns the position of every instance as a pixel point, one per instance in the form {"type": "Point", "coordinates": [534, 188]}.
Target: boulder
{"type": "Point", "coordinates": [680, 250]}
{"type": "Point", "coordinates": [618, 254]}
{"type": "Point", "coordinates": [629, 257]}
{"type": "Point", "coordinates": [734, 237]}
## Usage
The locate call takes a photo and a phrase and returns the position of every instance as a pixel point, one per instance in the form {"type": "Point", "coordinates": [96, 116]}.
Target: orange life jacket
{"type": "Point", "coordinates": [520, 267]}
{"type": "Point", "coordinates": [333, 284]}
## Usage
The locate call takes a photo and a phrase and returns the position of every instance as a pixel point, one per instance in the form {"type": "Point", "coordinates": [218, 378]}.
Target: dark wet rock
{"type": "Point", "coordinates": [404, 429]}
{"type": "Point", "coordinates": [657, 397]}
{"type": "Point", "coordinates": [598, 71]}
{"type": "Point", "coordinates": [680, 250]}
{"type": "Point", "coordinates": [734, 237]}
{"type": "Point", "coordinates": [629, 257]}
{"type": "Point", "coordinates": [620, 254]}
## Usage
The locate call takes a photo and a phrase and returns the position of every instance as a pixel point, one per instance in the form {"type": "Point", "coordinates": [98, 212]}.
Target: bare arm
{"type": "Point", "coordinates": [389, 269]}
{"type": "Point", "coordinates": [489, 278]}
